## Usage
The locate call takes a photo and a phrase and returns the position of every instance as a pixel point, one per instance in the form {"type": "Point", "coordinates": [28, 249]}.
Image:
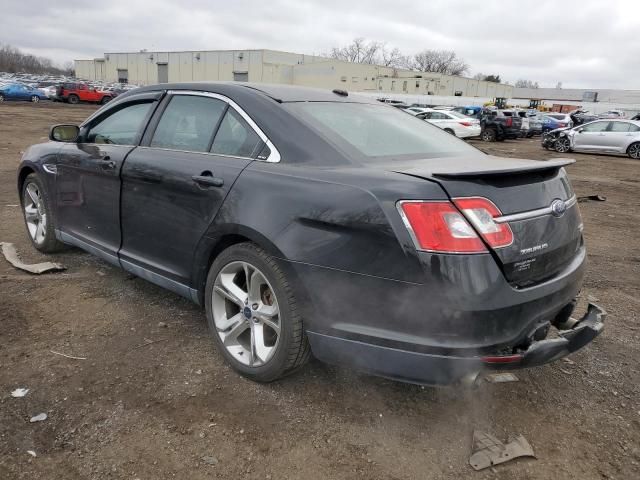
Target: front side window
{"type": "Point", "coordinates": [369, 131]}
{"type": "Point", "coordinates": [188, 123]}
{"type": "Point", "coordinates": [438, 116]}
{"type": "Point", "coordinates": [122, 127]}
{"type": "Point", "coordinates": [595, 127]}
{"type": "Point", "coordinates": [235, 137]}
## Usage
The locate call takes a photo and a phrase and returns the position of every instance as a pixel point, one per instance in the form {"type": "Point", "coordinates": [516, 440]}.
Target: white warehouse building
{"type": "Point", "coordinates": [270, 66]}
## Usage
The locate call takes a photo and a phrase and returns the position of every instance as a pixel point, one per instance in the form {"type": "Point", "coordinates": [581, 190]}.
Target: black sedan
{"type": "Point", "coordinates": [309, 221]}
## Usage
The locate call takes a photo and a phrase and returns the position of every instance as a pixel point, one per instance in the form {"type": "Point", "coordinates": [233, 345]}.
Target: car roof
{"type": "Point", "coordinates": [279, 93]}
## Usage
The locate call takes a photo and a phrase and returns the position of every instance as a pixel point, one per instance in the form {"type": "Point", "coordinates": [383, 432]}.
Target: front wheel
{"type": "Point", "coordinates": [1, 98]}
{"type": "Point", "coordinates": [35, 99]}
{"type": "Point", "coordinates": [73, 99]}
{"type": "Point", "coordinates": [450, 132]}
{"type": "Point", "coordinates": [634, 151]}
{"type": "Point", "coordinates": [253, 316]}
{"type": "Point", "coordinates": [488, 135]}
{"type": "Point", "coordinates": [38, 215]}
{"type": "Point", "coordinates": [105, 99]}
{"type": "Point", "coordinates": [562, 145]}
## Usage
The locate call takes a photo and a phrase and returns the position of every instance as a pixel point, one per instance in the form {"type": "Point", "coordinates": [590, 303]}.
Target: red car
{"type": "Point", "coordinates": [81, 92]}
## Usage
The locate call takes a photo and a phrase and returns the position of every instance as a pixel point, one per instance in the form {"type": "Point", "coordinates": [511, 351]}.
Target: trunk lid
{"type": "Point", "coordinates": [544, 240]}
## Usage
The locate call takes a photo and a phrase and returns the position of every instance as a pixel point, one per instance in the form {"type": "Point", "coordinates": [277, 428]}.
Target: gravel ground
{"type": "Point", "coordinates": [153, 399]}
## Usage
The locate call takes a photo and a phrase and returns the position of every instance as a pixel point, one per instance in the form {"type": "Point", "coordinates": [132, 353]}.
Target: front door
{"type": "Point", "coordinates": [591, 136]}
{"type": "Point", "coordinates": [173, 185]}
{"type": "Point", "coordinates": [88, 184]}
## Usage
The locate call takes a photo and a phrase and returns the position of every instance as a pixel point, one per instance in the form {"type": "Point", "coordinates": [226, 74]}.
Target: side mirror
{"type": "Point", "coordinates": [64, 133]}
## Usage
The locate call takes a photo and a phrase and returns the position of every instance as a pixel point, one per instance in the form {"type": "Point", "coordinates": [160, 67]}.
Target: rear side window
{"type": "Point", "coordinates": [188, 123]}
{"type": "Point", "coordinates": [121, 127]}
{"type": "Point", "coordinates": [235, 137]}
{"type": "Point", "coordinates": [621, 127]}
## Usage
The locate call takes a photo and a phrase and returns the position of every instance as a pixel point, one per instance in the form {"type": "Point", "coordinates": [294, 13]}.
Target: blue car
{"type": "Point", "coordinates": [550, 123]}
{"type": "Point", "coordinates": [17, 91]}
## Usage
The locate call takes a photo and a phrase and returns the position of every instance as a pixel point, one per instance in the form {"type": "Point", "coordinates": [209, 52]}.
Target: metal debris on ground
{"type": "Point", "coordinates": [39, 418]}
{"type": "Point", "coordinates": [488, 450]}
{"type": "Point", "coordinates": [10, 253]}
{"type": "Point", "coordinates": [67, 356]}
{"type": "Point", "coordinates": [595, 198]}
{"type": "Point", "coordinates": [210, 460]}
{"type": "Point", "coordinates": [19, 392]}
{"type": "Point", "coordinates": [501, 377]}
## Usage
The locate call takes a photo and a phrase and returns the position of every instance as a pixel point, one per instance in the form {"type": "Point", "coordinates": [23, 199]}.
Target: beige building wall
{"type": "Point", "coordinates": [270, 66]}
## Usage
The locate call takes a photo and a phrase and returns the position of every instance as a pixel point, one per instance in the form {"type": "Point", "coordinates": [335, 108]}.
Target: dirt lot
{"type": "Point", "coordinates": [151, 401]}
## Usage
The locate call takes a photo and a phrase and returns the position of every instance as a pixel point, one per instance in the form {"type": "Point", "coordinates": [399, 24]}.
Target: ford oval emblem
{"type": "Point", "coordinates": [558, 207]}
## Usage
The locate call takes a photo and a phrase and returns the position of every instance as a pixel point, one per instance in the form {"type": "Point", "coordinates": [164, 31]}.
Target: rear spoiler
{"type": "Point", "coordinates": [501, 166]}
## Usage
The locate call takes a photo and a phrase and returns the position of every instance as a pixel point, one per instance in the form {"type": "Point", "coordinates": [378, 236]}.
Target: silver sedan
{"type": "Point", "coordinates": [605, 136]}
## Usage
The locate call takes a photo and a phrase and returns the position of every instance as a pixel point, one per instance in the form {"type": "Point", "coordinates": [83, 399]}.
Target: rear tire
{"type": "Point", "coordinates": [105, 99]}
{"type": "Point", "coordinates": [258, 328]}
{"type": "Point", "coordinates": [448, 130]}
{"type": "Point", "coordinates": [38, 215]}
{"type": "Point", "coordinates": [1, 98]}
{"type": "Point", "coordinates": [634, 151]}
{"type": "Point", "coordinates": [488, 135]}
{"type": "Point", "coordinates": [35, 99]}
{"type": "Point", "coordinates": [73, 99]}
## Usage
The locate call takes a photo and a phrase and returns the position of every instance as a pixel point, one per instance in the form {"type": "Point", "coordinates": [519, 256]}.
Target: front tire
{"type": "Point", "coordinates": [634, 151]}
{"type": "Point", "coordinates": [562, 145]}
{"type": "Point", "coordinates": [488, 135]}
{"type": "Point", "coordinates": [1, 98]}
{"type": "Point", "coordinates": [253, 315]}
{"type": "Point", "coordinates": [38, 215]}
{"type": "Point", "coordinates": [105, 99]}
{"type": "Point", "coordinates": [73, 99]}
{"type": "Point", "coordinates": [35, 99]}
{"type": "Point", "coordinates": [450, 132]}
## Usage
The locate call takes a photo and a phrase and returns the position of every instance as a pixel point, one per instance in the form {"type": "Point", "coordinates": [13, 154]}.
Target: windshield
{"type": "Point", "coordinates": [375, 131]}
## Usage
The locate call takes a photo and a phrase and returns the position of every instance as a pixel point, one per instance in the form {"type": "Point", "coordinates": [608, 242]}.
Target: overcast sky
{"type": "Point", "coordinates": [581, 43]}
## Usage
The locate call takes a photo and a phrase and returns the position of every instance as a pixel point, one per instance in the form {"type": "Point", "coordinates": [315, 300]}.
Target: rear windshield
{"type": "Point", "coordinates": [375, 131]}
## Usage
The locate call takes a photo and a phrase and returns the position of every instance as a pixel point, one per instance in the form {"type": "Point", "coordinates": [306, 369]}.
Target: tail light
{"type": "Point", "coordinates": [440, 227]}
{"type": "Point", "coordinates": [509, 122]}
{"type": "Point", "coordinates": [443, 228]}
{"type": "Point", "coordinates": [481, 212]}
{"type": "Point", "coordinates": [466, 124]}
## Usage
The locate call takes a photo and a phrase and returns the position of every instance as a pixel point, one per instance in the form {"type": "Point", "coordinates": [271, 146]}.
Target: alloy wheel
{"type": "Point", "coordinates": [34, 213]}
{"type": "Point", "coordinates": [246, 314]}
{"type": "Point", "coordinates": [562, 145]}
{"type": "Point", "coordinates": [35, 99]}
{"type": "Point", "coordinates": [634, 151]}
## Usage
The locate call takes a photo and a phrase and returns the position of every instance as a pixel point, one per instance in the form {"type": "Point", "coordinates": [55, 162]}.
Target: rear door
{"type": "Point", "coordinates": [88, 176]}
{"type": "Point", "coordinates": [173, 186]}
{"type": "Point", "coordinates": [591, 136]}
{"type": "Point", "coordinates": [618, 136]}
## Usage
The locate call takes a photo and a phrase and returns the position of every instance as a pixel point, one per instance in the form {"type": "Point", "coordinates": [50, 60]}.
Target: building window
{"type": "Point", "coordinates": [240, 76]}
{"type": "Point", "coordinates": [343, 79]}
{"type": "Point", "coordinates": [393, 85]}
{"type": "Point", "coordinates": [404, 86]}
{"type": "Point", "coordinates": [457, 93]}
{"type": "Point", "coordinates": [417, 83]}
{"type": "Point", "coordinates": [354, 79]}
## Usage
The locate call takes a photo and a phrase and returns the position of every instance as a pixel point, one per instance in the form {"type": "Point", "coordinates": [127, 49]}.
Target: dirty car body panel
{"type": "Point", "coordinates": [322, 196]}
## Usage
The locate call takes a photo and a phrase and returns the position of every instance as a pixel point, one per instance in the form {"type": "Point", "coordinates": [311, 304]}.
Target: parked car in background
{"type": "Point", "coordinates": [18, 91]}
{"type": "Point", "coordinates": [416, 110]}
{"type": "Point", "coordinates": [81, 92]}
{"type": "Point", "coordinates": [373, 240]}
{"type": "Point", "coordinates": [563, 118]}
{"type": "Point", "coordinates": [471, 111]}
{"type": "Point", "coordinates": [601, 136]}
{"type": "Point", "coordinates": [536, 120]}
{"type": "Point", "coordinates": [551, 123]}
{"type": "Point", "coordinates": [498, 126]}
{"type": "Point", "coordinates": [452, 122]}
{"type": "Point", "coordinates": [612, 114]}
{"type": "Point", "coordinates": [579, 117]}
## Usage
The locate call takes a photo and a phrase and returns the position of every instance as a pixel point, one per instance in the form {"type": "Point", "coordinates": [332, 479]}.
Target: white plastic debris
{"type": "Point", "coordinates": [501, 377]}
{"type": "Point", "coordinates": [10, 253]}
{"type": "Point", "coordinates": [19, 392]}
{"type": "Point", "coordinates": [32, 453]}
{"type": "Point", "coordinates": [41, 417]}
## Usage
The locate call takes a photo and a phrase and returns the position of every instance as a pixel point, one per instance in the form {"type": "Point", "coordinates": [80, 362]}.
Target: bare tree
{"type": "Point", "coordinates": [13, 60]}
{"type": "Point", "coordinates": [358, 51]}
{"type": "Point", "coordinates": [440, 61]}
{"type": "Point", "coordinates": [522, 83]}
{"type": "Point", "coordinates": [479, 76]}
{"type": "Point", "coordinates": [559, 85]}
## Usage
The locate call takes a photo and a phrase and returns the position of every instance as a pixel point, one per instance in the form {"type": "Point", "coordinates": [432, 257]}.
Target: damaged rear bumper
{"type": "Point", "coordinates": [434, 369]}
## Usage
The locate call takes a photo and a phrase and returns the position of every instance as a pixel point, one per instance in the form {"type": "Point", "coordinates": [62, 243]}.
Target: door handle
{"type": "Point", "coordinates": [206, 179]}
{"type": "Point", "coordinates": [107, 163]}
